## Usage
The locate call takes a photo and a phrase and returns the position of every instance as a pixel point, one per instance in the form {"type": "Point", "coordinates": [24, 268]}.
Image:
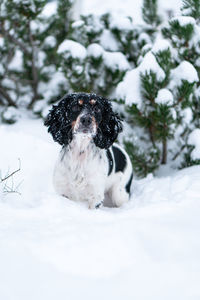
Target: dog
{"type": "Point", "coordinates": [90, 167]}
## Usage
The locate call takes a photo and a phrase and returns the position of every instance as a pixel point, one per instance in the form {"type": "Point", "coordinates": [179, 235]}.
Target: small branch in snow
{"type": "Point", "coordinates": [11, 174]}
{"type": "Point", "coordinates": [10, 188]}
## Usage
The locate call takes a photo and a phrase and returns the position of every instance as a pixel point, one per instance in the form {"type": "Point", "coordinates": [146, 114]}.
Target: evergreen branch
{"type": "Point", "coordinates": [7, 97]}
{"type": "Point", "coordinates": [13, 39]}
{"type": "Point", "coordinates": [34, 70]}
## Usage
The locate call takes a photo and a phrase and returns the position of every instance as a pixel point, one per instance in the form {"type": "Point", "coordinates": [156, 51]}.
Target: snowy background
{"type": "Point", "coordinates": [53, 248]}
{"type": "Point", "coordinates": [125, 7]}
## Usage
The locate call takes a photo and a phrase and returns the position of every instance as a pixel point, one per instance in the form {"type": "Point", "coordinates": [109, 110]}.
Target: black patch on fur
{"type": "Point", "coordinates": [128, 186]}
{"type": "Point", "coordinates": [120, 159]}
{"type": "Point", "coordinates": [110, 161]}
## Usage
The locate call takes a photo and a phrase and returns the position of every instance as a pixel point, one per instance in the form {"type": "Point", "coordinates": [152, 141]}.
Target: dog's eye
{"type": "Point", "coordinates": [76, 108]}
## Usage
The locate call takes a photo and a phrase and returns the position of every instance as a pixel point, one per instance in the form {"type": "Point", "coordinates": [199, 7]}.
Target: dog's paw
{"type": "Point", "coordinates": [98, 205]}
{"type": "Point", "coordinates": [95, 205]}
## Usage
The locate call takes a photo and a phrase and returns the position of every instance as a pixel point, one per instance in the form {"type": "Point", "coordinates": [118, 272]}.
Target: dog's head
{"type": "Point", "coordinates": [81, 113]}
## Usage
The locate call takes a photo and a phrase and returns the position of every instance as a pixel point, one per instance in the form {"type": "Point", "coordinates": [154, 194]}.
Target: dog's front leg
{"type": "Point", "coordinates": [95, 198]}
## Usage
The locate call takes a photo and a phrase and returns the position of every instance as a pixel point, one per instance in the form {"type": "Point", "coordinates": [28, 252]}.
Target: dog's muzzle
{"type": "Point", "coordinates": [86, 124]}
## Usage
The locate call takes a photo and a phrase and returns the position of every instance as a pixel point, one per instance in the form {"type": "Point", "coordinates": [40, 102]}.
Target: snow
{"type": "Point", "coordinates": [185, 71]}
{"type": "Point", "coordinates": [78, 24]}
{"type": "Point", "coordinates": [1, 42]}
{"type": "Point", "coordinates": [120, 22]}
{"type": "Point", "coordinates": [149, 64]}
{"type": "Point", "coordinates": [50, 89]}
{"type": "Point", "coordinates": [164, 97]}
{"type": "Point", "coordinates": [2, 70]}
{"type": "Point", "coordinates": [195, 40]}
{"type": "Point", "coordinates": [122, 7]}
{"type": "Point", "coordinates": [75, 49]}
{"type": "Point", "coordinates": [129, 88]}
{"type": "Point", "coordinates": [194, 140]}
{"type": "Point", "coordinates": [128, 7]}
{"type": "Point", "coordinates": [53, 248]}
{"type": "Point", "coordinates": [49, 9]}
{"type": "Point", "coordinates": [11, 113]}
{"type": "Point", "coordinates": [17, 61]}
{"type": "Point", "coordinates": [116, 61]}
{"type": "Point", "coordinates": [95, 50]}
{"type": "Point", "coordinates": [108, 41]}
{"type": "Point", "coordinates": [197, 62]}
{"type": "Point", "coordinates": [161, 45]}
{"type": "Point", "coordinates": [187, 115]}
{"type": "Point", "coordinates": [112, 60]}
{"type": "Point", "coordinates": [50, 41]}
{"type": "Point", "coordinates": [184, 20]}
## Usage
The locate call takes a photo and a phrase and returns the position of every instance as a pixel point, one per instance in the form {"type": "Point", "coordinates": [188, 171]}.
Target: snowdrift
{"type": "Point", "coordinates": [53, 248]}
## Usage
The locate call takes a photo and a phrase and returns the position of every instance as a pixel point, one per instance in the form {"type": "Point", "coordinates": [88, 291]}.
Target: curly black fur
{"type": "Point", "coordinates": [61, 116]}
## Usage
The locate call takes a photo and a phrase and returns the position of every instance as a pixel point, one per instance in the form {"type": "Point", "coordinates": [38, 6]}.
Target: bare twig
{"type": "Point", "coordinates": [11, 174]}
{"type": "Point", "coordinates": [179, 152]}
{"type": "Point", "coordinates": [11, 187]}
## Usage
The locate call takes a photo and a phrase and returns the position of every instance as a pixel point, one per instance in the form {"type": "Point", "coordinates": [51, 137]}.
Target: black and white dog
{"type": "Point", "coordinates": [90, 167]}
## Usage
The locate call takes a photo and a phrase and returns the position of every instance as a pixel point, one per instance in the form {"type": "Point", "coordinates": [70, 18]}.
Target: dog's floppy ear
{"type": "Point", "coordinates": [109, 128]}
{"type": "Point", "coordinates": [59, 124]}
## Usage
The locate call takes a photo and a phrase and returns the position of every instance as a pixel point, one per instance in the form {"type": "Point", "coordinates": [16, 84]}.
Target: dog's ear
{"type": "Point", "coordinates": [59, 124]}
{"type": "Point", "coordinates": [109, 128]}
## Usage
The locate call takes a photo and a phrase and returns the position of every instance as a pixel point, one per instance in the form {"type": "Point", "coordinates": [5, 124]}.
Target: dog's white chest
{"type": "Point", "coordinates": [76, 171]}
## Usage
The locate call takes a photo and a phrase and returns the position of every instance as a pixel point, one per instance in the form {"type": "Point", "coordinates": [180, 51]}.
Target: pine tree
{"type": "Point", "coordinates": [184, 35]}
{"type": "Point", "coordinates": [17, 29]}
{"type": "Point", "coordinates": [28, 50]}
{"type": "Point", "coordinates": [167, 107]}
{"type": "Point", "coordinates": [86, 61]}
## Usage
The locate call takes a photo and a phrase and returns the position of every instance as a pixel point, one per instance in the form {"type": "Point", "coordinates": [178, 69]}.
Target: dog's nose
{"type": "Point", "coordinates": [86, 120]}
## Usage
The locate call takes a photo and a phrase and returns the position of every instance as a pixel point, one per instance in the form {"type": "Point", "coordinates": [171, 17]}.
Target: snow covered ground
{"type": "Point", "coordinates": [53, 248]}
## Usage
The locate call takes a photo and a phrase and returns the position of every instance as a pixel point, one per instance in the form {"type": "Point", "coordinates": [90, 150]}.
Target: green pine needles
{"type": "Point", "coordinates": [150, 12]}
{"type": "Point", "coordinates": [191, 8]}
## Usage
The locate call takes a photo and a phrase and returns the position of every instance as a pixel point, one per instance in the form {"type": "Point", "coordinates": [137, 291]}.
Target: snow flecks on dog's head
{"type": "Point", "coordinates": [84, 113]}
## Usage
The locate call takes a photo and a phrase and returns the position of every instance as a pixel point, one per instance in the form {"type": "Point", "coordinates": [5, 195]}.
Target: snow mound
{"type": "Point", "coordinates": [95, 50]}
{"type": "Point", "coordinates": [49, 9]}
{"type": "Point", "coordinates": [129, 88]}
{"type": "Point", "coordinates": [184, 20]}
{"type": "Point", "coordinates": [194, 140]}
{"type": "Point", "coordinates": [116, 60]}
{"type": "Point", "coordinates": [120, 22]}
{"type": "Point", "coordinates": [185, 71]}
{"type": "Point", "coordinates": [164, 97]}
{"type": "Point", "coordinates": [161, 45]}
{"type": "Point", "coordinates": [76, 50]}
{"type": "Point", "coordinates": [54, 248]}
